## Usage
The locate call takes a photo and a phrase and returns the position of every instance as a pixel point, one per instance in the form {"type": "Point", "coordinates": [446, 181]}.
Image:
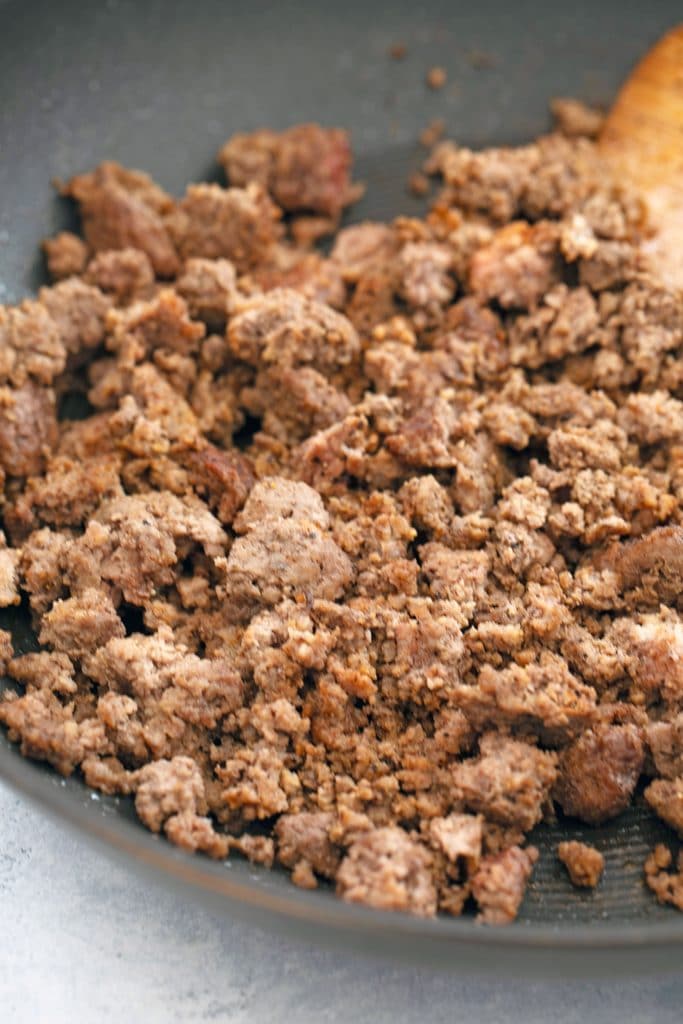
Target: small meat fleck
{"type": "Point", "coordinates": [437, 78]}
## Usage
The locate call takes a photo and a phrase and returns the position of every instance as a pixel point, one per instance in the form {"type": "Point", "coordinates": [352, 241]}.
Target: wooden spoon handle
{"type": "Point", "coordinates": [642, 138]}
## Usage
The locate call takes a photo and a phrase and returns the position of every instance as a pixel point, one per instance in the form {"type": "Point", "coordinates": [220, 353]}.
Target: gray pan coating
{"type": "Point", "coordinates": [160, 86]}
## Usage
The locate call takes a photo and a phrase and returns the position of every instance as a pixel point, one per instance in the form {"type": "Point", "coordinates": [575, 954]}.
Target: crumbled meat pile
{"type": "Point", "coordinates": [362, 562]}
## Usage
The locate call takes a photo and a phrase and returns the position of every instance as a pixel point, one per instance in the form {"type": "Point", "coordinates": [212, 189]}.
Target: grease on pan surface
{"type": "Point", "coordinates": [365, 563]}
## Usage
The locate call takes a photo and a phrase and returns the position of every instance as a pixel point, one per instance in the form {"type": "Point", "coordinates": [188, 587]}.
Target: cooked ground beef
{"type": "Point", "coordinates": [360, 562]}
{"type": "Point", "coordinates": [584, 863]}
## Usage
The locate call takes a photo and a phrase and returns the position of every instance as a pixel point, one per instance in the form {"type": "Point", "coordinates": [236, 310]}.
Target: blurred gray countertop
{"type": "Point", "coordinates": [84, 940]}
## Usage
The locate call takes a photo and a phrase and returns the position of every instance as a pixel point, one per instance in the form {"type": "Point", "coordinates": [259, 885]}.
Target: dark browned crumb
{"type": "Point", "coordinates": [437, 78]}
{"type": "Point", "coordinates": [397, 51]}
{"type": "Point", "coordinates": [362, 562]}
{"type": "Point", "coordinates": [665, 880]}
{"type": "Point", "coordinates": [584, 863]}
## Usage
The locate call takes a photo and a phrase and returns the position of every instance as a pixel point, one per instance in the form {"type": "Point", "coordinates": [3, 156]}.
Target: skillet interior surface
{"type": "Point", "coordinates": [159, 86]}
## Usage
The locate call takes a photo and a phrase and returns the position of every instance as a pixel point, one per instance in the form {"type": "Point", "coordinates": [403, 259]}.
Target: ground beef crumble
{"type": "Point", "coordinates": [584, 863]}
{"type": "Point", "coordinates": [365, 563]}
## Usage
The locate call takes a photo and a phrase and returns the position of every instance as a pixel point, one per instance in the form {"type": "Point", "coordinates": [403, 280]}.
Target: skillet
{"type": "Point", "coordinates": [159, 86]}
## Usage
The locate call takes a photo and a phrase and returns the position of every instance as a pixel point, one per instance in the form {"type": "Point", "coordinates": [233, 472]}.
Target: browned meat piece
{"type": "Point", "coordinates": [651, 323]}
{"type": "Point", "coordinates": [223, 478]}
{"type": "Point", "coordinates": [253, 783]}
{"type": "Point", "coordinates": [172, 693]}
{"type": "Point", "coordinates": [257, 849]}
{"type": "Point", "coordinates": [549, 177]}
{"type": "Point", "coordinates": [576, 118]}
{"type": "Point", "coordinates": [459, 837]}
{"type": "Point", "coordinates": [195, 833]}
{"type": "Point", "coordinates": [652, 649]}
{"type": "Point", "coordinates": [458, 576]}
{"type": "Point", "coordinates": [574, 447]}
{"type": "Point", "coordinates": [129, 548]}
{"type": "Point", "coordinates": [30, 345]}
{"type": "Point", "coordinates": [542, 698]}
{"type": "Point", "coordinates": [374, 300]}
{"type": "Point", "coordinates": [525, 501]}
{"type": "Point", "coordinates": [79, 311]}
{"type": "Point", "coordinates": [397, 368]}
{"type": "Point", "coordinates": [41, 564]}
{"type": "Point", "coordinates": [235, 224]}
{"type": "Point", "coordinates": [665, 884]}
{"type": "Point", "coordinates": [125, 209]}
{"type": "Point", "coordinates": [107, 774]}
{"type": "Point", "coordinates": [650, 568]}
{"type": "Point", "coordinates": [170, 794]}
{"type": "Point", "coordinates": [304, 168]}
{"type": "Point", "coordinates": [133, 541]}
{"type": "Point", "coordinates": [28, 429]}
{"type": "Point", "coordinates": [48, 731]}
{"type": "Point", "coordinates": [584, 863]}
{"type": "Point", "coordinates": [612, 265]}
{"type": "Point", "coordinates": [387, 870]}
{"type": "Point", "coordinates": [500, 883]}
{"type": "Point", "coordinates": [652, 418]}
{"type": "Point", "coordinates": [599, 771]}
{"type": "Point", "coordinates": [566, 322]}
{"type": "Point", "coordinates": [80, 625]}
{"type": "Point", "coordinates": [480, 474]}
{"type": "Point", "coordinates": [210, 290]}
{"type": "Point", "coordinates": [520, 551]}
{"type": "Point", "coordinates": [284, 328]}
{"type": "Point", "coordinates": [425, 281]}
{"type": "Point", "coordinates": [305, 837]}
{"type": "Point", "coordinates": [66, 495]}
{"type": "Point", "coordinates": [277, 499]}
{"type": "Point", "coordinates": [509, 425]}
{"type": "Point", "coordinates": [153, 418]}
{"type": "Point", "coordinates": [360, 247]}
{"type": "Point", "coordinates": [517, 267]}
{"type": "Point", "coordinates": [280, 558]}
{"type": "Point", "coordinates": [120, 716]}
{"type": "Point", "coordinates": [428, 505]}
{"type": "Point", "coordinates": [45, 671]}
{"type": "Point", "coordinates": [162, 323]}
{"type": "Point", "coordinates": [665, 797]}
{"type": "Point", "coordinates": [665, 741]}
{"type": "Point", "coordinates": [509, 782]}
{"type": "Point", "coordinates": [82, 439]}
{"type": "Point", "coordinates": [166, 788]}
{"type": "Point", "coordinates": [66, 254]}
{"type": "Point", "coordinates": [125, 274]}
{"type": "Point", "coordinates": [307, 272]}
{"type": "Point", "coordinates": [294, 403]}
{"type": "Point", "coordinates": [424, 439]}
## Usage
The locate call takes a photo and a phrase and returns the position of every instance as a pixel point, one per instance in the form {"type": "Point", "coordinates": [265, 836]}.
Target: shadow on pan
{"type": "Point", "coordinates": [160, 85]}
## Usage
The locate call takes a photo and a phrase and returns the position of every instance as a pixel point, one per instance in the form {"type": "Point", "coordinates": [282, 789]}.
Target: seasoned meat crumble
{"type": "Point", "coordinates": [364, 563]}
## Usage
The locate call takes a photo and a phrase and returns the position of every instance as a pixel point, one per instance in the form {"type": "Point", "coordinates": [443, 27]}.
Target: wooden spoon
{"type": "Point", "coordinates": [642, 139]}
